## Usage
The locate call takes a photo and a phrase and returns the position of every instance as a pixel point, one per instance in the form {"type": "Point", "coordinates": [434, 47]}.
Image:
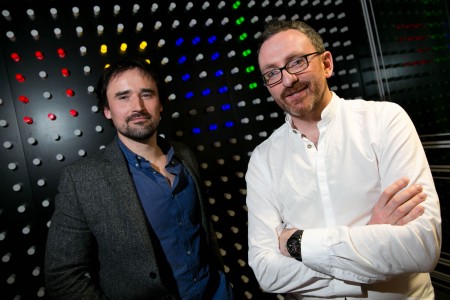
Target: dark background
{"type": "Point", "coordinates": [383, 50]}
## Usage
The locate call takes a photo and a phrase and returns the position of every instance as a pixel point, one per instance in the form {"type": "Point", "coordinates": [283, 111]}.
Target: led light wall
{"type": "Point", "coordinates": [52, 53]}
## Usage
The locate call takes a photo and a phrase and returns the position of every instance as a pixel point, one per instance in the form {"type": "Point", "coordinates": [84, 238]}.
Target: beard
{"type": "Point", "coordinates": [307, 105]}
{"type": "Point", "coordinates": [139, 131]}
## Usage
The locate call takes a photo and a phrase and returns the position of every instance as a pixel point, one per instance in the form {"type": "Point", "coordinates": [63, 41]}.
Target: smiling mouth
{"type": "Point", "coordinates": [297, 91]}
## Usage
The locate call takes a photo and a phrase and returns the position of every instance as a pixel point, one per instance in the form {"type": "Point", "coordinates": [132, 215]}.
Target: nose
{"type": "Point", "coordinates": [288, 78]}
{"type": "Point", "coordinates": [137, 103]}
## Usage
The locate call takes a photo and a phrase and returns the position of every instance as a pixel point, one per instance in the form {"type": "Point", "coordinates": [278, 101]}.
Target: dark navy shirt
{"type": "Point", "coordinates": [175, 219]}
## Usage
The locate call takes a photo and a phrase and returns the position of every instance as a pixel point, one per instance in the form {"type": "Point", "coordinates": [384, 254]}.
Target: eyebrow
{"type": "Point", "coordinates": [144, 90]}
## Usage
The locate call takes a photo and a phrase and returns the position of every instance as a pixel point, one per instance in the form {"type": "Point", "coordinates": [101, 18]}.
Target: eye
{"type": "Point", "coordinates": [271, 73]}
{"type": "Point", "coordinates": [123, 97]}
{"type": "Point", "coordinates": [147, 95]}
{"type": "Point", "coordinates": [297, 62]}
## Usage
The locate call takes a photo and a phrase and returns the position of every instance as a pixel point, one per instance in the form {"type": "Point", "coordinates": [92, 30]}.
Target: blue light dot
{"type": "Point", "coordinates": [212, 39]}
{"type": "Point", "coordinates": [195, 130]}
{"type": "Point", "coordinates": [226, 106]}
{"type": "Point", "coordinates": [189, 95]}
{"type": "Point", "coordinates": [186, 77]}
{"type": "Point", "coordinates": [196, 40]}
{"type": "Point", "coordinates": [213, 127]}
{"type": "Point", "coordinates": [229, 124]}
{"type": "Point", "coordinates": [223, 89]}
{"type": "Point", "coordinates": [215, 56]}
{"type": "Point", "coordinates": [182, 59]}
{"type": "Point", "coordinates": [179, 41]}
{"type": "Point", "coordinates": [219, 73]}
{"type": "Point", "coordinates": [206, 92]}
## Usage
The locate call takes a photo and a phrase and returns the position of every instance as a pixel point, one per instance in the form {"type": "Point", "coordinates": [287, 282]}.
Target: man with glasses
{"type": "Point", "coordinates": [341, 200]}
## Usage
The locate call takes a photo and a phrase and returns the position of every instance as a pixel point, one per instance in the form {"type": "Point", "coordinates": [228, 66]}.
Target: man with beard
{"type": "Point", "coordinates": [341, 200]}
{"type": "Point", "coordinates": [131, 221]}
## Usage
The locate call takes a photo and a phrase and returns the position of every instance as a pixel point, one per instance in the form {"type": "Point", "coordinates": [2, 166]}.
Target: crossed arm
{"type": "Point", "coordinates": [397, 205]}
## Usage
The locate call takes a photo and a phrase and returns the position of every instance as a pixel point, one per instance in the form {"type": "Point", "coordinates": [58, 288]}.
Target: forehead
{"type": "Point", "coordinates": [283, 45]}
{"type": "Point", "coordinates": [132, 77]}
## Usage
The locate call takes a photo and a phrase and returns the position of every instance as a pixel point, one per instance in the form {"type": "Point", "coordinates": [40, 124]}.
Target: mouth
{"type": "Point", "coordinates": [294, 92]}
{"type": "Point", "coordinates": [138, 118]}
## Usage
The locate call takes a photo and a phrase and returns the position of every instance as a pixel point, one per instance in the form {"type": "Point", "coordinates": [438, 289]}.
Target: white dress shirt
{"type": "Point", "coordinates": [329, 192]}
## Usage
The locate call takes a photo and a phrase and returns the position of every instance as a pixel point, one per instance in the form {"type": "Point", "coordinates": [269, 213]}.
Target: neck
{"type": "Point", "coordinates": [307, 124]}
{"type": "Point", "coordinates": [146, 148]}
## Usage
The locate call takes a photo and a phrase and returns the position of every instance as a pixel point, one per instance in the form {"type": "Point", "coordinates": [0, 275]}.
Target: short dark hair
{"type": "Point", "coordinates": [275, 26]}
{"type": "Point", "coordinates": [119, 67]}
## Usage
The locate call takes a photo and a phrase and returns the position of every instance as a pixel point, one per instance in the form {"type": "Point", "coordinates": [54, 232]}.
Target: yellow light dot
{"type": "Point", "coordinates": [103, 49]}
{"type": "Point", "coordinates": [143, 45]}
{"type": "Point", "coordinates": [123, 47]}
{"type": "Point", "coordinates": [147, 61]}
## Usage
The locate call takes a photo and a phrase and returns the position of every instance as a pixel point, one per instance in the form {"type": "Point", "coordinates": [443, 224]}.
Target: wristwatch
{"type": "Point", "coordinates": [294, 245]}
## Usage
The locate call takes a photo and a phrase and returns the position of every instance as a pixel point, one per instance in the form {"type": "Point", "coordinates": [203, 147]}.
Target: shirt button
{"type": "Point", "coordinates": [309, 146]}
{"type": "Point", "coordinates": [195, 279]}
{"type": "Point", "coordinates": [188, 253]}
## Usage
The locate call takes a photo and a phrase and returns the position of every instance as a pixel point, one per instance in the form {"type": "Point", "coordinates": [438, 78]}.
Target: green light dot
{"type": "Point", "coordinates": [250, 69]}
{"type": "Point", "coordinates": [253, 85]}
{"type": "Point", "coordinates": [236, 4]}
{"type": "Point", "coordinates": [240, 21]}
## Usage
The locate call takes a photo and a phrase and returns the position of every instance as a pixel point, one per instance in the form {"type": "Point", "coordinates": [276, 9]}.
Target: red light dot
{"type": "Point", "coordinates": [61, 52]}
{"type": "Point", "coordinates": [70, 92]}
{"type": "Point", "coordinates": [23, 99]}
{"type": "Point", "coordinates": [73, 112]}
{"type": "Point", "coordinates": [28, 120]}
{"type": "Point", "coordinates": [39, 55]}
{"type": "Point", "coordinates": [65, 72]}
{"type": "Point", "coordinates": [51, 116]}
{"type": "Point", "coordinates": [20, 78]}
{"type": "Point", "coordinates": [15, 56]}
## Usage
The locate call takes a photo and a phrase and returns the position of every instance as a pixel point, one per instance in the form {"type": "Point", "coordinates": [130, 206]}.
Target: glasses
{"type": "Point", "coordinates": [295, 66]}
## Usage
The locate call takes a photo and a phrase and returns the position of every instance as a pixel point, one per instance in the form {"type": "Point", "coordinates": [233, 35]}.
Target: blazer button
{"type": "Point", "coordinates": [152, 275]}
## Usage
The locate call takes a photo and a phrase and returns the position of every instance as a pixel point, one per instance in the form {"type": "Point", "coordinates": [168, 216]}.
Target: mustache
{"type": "Point", "coordinates": [138, 116]}
{"type": "Point", "coordinates": [294, 89]}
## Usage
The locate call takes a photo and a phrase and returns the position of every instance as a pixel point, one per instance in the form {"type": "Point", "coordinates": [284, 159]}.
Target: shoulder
{"type": "Point", "coordinates": [273, 143]}
{"type": "Point", "coordinates": [97, 160]}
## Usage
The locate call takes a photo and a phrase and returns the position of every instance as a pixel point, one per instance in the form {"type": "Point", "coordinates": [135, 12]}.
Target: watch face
{"type": "Point", "coordinates": [294, 246]}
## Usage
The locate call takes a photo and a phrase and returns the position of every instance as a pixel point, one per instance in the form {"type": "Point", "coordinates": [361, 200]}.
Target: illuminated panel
{"type": "Point", "coordinates": [53, 53]}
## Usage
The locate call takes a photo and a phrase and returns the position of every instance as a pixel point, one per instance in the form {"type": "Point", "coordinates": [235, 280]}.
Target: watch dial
{"type": "Point", "coordinates": [293, 246]}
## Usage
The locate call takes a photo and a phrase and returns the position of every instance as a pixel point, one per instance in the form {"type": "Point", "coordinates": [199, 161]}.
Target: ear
{"type": "Point", "coordinates": [107, 112]}
{"type": "Point", "coordinates": [327, 60]}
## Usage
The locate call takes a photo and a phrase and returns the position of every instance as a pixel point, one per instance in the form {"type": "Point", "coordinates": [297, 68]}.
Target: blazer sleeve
{"type": "Point", "coordinates": [68, 263]}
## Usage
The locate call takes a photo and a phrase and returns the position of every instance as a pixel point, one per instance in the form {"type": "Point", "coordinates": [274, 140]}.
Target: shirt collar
{"type": "Point", "coordinates": [135, 160]}
{"type": "Point", "coordinates": [327, 114]}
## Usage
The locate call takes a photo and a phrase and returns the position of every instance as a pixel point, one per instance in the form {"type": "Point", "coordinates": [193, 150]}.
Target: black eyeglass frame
{"type": "Point", "coordinates": [284, 68]}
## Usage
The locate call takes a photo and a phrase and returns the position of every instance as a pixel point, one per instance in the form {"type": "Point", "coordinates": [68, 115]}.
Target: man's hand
{"type": "Point", "coordinates": [398, 207]}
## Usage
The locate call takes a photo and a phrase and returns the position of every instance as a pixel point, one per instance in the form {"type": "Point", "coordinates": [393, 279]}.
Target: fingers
{"type": "Point", "coordinates": [412, 215]}
{"type": "Point", "coordinates": [391, 191]}
{"type": "Point", "coordinates": [398, 204]}
{"type": "Point", "coordinates": [404, 204]}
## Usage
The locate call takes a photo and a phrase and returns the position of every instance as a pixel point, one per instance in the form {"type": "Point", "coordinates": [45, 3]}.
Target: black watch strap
{"type": "Point", "coordinates": [294, 245]}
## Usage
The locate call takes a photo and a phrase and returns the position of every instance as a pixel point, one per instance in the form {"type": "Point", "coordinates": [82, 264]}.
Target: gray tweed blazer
{"type": "Point", "coordinates": [98, 244]}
